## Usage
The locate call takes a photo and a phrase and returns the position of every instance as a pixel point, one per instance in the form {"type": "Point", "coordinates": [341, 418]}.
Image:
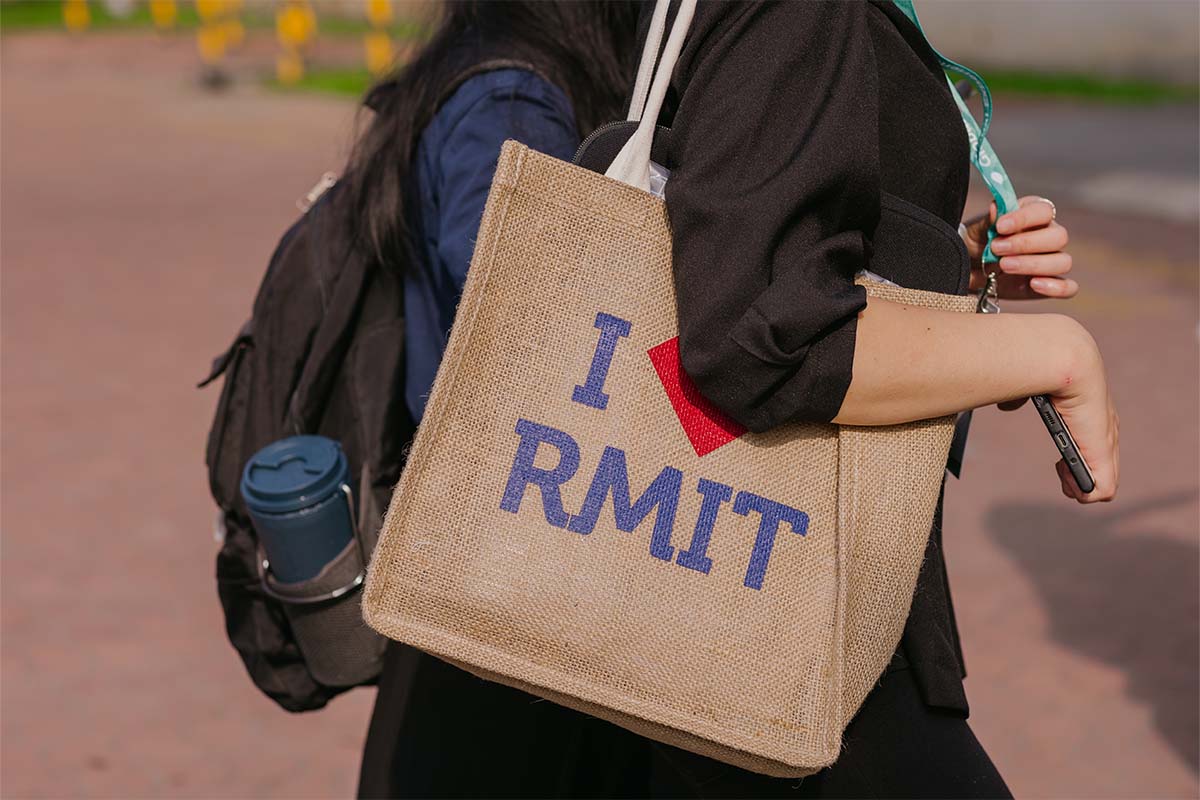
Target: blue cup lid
{"type": "Point", "coordinates": [293, 473]}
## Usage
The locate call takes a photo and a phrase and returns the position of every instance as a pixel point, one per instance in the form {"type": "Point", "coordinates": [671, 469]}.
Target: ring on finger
{"type": "Point", "coordinates": [1053, 208]}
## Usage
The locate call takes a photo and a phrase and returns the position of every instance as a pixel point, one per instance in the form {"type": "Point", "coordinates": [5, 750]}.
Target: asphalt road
{"type": "Point", "coordinates": [1139, 161]}
{"type": "Point", "coordinates": [138, 215]}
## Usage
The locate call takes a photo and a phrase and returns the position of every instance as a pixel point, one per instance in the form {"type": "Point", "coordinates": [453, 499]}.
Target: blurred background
{"type": "Point", "coordinates": [151, 154]}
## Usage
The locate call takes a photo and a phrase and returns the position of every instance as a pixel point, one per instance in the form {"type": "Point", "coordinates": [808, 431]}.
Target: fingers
{"type": "Point", "coordinates": [1057, 288]}
{"type": "Point", "coordinates": [1032, 212]}
{"type": "Point", "coordinates": [1115, 438]}
{"type": "Point", "coordinates": [1035, 276]}
{"type": "Point", "coordinates": [1088, 412]}
{"type": "Point", "coordinates": [1070, 489]}
{"type": "Point", "coordinates": [1022, 287]}
{"type": "Point", "coordinates": [1049, 239]}
{"type": "Point", "coordinates": [1105, 490]}
{"type": "Point", "coordinates": [1052, 264]}
{"type": "Point", "coordinates": [1102, 493]}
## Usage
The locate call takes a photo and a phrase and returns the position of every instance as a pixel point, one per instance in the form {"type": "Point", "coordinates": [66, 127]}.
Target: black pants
{"type": "Point", "coordinates": [439, 732]}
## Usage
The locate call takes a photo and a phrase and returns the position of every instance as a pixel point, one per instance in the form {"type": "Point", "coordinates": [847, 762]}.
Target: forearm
{"type": "Point", "coordinates": [914, 363]}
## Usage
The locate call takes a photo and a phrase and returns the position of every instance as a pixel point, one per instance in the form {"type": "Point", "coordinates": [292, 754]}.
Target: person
{"type": "Point", "coordinates": [544, 73]}
{"type": "Point", "coordinates": [810, 141]}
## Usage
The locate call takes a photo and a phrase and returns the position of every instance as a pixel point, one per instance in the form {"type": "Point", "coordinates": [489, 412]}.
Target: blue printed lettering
{"type": "Point", "coordinates": [612, 474]}
{"type": "Point", "coordinates": [592, 392]}
{"type": "Point", "coordinates": [772, 514]}
{"type": "Point", "coordinates": [662, 497]}
{"type": "Point", "coordinates": [696, 556]}
{"type": "Point", "coordinates": [524, 473]}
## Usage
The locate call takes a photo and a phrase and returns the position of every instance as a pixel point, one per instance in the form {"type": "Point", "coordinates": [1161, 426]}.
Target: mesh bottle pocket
{"type": "Point", "coordinates": [326, 617]}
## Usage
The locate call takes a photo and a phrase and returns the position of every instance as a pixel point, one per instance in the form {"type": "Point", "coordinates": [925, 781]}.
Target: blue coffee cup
{"type": "Point", "coordinates": [297, 494]}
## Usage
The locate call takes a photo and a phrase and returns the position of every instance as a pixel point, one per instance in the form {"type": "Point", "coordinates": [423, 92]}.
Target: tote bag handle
{"type": "Point", "coordinates": [641, 87]}
{"type": "Point", "coordinates": [632, 164]}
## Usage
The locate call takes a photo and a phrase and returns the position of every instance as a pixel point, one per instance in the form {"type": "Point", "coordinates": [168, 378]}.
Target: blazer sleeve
{"type": "Point", "coordinates": [772, 201]}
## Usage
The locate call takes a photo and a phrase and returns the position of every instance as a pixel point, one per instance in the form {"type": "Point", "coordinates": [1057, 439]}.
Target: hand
{"type": "Point", "coordinates": [1030, 244]}
{"type": "Point", "coordinates": [1087, 408]}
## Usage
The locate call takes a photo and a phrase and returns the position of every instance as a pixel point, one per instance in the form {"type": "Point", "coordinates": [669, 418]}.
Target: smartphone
{"type": "Point", "coordinates": [1061, 435]}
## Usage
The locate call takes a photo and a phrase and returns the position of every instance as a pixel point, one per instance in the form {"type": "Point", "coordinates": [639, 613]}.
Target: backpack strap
{"type": "Point", "coordinates": [343, 297]}
{"type": "Point", "coordinates": [379, 94]}
{"type": "Point", "coordinates": [489, 65]}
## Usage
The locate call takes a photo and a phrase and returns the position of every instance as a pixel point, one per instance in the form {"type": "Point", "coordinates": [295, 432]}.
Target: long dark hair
{"type": "Point", "coordinates": [585, 47]}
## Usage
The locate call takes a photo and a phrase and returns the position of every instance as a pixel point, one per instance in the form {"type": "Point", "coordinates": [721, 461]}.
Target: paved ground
{"type": "Point", "coordinates": [138, 214]}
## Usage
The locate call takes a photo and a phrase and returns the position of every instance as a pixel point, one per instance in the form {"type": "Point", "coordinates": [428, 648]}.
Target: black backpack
{"type": "Point", "coordinates": [322, 353]}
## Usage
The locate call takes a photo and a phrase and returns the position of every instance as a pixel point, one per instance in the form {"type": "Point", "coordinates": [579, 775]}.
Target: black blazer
{"type": "Point", "coordinates": [809, 140]}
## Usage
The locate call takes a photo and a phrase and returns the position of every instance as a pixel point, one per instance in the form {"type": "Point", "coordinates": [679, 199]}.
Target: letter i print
{"type": "Point", "coordinates": [591, 393]}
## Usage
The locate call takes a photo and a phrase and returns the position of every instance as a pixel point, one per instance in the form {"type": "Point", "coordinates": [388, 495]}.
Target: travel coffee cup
{"type": "Point", "coordinates": [298, 496]}
{"type": "Point", "coordinates": [296, 492]}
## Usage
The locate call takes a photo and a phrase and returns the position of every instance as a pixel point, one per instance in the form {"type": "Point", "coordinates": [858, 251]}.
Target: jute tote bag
{"type": "Point", "coordinates": [577, 521]}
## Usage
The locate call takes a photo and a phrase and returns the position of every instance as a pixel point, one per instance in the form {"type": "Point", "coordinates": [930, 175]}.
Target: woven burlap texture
{"type": "Point", "coordinates": [762, 678]}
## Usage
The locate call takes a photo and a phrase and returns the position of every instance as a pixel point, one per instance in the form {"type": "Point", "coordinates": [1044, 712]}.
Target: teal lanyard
{"type": "Point", "coordinates": [983, 157]}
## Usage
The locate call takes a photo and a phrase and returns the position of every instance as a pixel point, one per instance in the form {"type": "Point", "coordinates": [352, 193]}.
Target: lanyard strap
{"type": "Point", "coordinates": [632, 163]}
{"type": "Point", "coordinates": [983, 157]}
